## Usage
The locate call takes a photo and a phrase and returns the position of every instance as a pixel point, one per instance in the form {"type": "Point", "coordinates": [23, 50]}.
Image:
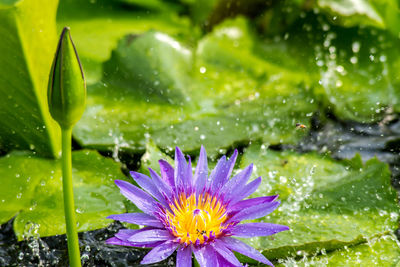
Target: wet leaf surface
{"type": "Point", "coordinates": [26, 53]}
{"type": "Point", "coordinates": [382, 251]}
{"type": "Point", "coordinates": [327, 204]}
{"type": "Point", "coordinates": [98, 25]}
{"type": "Point", "coordinates": [33, 192]}
{"type": "Point", "coordinates": [215, 104]}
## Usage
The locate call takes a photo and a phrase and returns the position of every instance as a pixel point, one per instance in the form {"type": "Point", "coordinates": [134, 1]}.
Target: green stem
{"type": "Point", "coordinates": [69, 207]}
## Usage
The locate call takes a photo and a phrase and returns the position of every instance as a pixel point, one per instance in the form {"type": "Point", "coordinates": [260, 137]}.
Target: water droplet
{"type": "Point", "coordinates": [371, 57]}
{"type": "Point", "coordinates": [353, 59]}
{"type": "Point", "coordinates": [356, 47]}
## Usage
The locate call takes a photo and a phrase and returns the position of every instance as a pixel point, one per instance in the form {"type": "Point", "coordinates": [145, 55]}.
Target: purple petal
{"type": "Point", "coordinates": [184, 257]}
{"type": "Point", "coordinates": [119, 242]}
{"type": "Point", "coordinates": [140, 198]}
{"type": "Point", "coordinates": [137, 218]}
{"type": "Point", "coordinates": [242, 248]}
{"type": "Point", "coordinates": [251, 202]}
{"type": "Point", "coordinates": [164, 188]}
{"type": "Point", "coordinates": [200, 175]}
{"type": "Point", "coordinates": [205, 256]}
{"type": "Point", "coordinates": [189, 177]}
{"type": "Point", "coordinates": [226, 253]}
{"type": "Point", "coordinates": [220, 175]}
{"type": "Point", "coordinates": [159, 253]}
{"type": "Point", "coordinates": [254, 212]}
{"type": "Point", "coordinates": [245, 191]}
{"type": "Point", "coordinates": [150, 236]}
{"type": "Point", "coordinates": [215, 173]}
{"type": "Point", "coordinates": [257, 229]}
{"type": "Point", "coordinates": [125, 234]}
{"type": "Point", "coordinates": [180, 170]}
{"type": "Point", "coordinates": [229, 190]}
{"type": "Point", "coordinates": [224, 263]}
{"type": "Point", "coordinates": [147, 184]}
{"type": "Point", "coordinates": [167, 172]}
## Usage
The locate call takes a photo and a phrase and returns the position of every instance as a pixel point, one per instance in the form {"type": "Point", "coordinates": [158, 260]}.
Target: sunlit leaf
{"type": "Point", "coordinates": [32, 190]}
{"type": "Point", "coordinates": [98, 25]}
{"type": "Point", "coordinates": [326, 204]}
{"type": "Point", "coordinates": [353, 71]}
{"type": "Point", "coordinates": [27, 31]}
{"type": "Point", "coordinates": [151, 90]}
{"type": "Point", "coordinates": [353, 12]}
{"type": "Point", "coordinates": [136, 99]}
{"type": "Point", "coordinates": [381, 251]}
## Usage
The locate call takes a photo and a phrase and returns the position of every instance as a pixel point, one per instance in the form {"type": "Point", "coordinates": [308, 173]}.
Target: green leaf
{"type": "Point", "coordinates": [361, 82]}
{"type": "Point", "coordinates": [151, 157]}
{"type": "Point", "coordinates": [240, 96]}
{"type": "Point", "coordinates": [33, 191]}
{"type": "Point", "coordinates": [124, 111]}
{"type": "Point", "coordinates": [352, 71]}
{"type": "Point", "coordinates": [152, 67]}
{"type": "Point", "coordinates": [353, 12]}
{"type": "Point", "coordinates": [382, 251]}
{"type": "Point", "coordinates": [219, 105]}
{"type": "Point", "coordinates": [149, 4]}
{"type": "Point", "coordinates": [26, 52]}
{"type": "Point", "coordinates": [98, 26]}
{"type": "Point", "coordinates": [200, 10]}
{"type": "Point", "coordinates": [326, 204]}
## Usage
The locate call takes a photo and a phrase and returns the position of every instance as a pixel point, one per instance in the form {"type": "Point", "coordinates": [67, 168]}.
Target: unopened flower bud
{"type": "Point", "coordinates": [67, 86]}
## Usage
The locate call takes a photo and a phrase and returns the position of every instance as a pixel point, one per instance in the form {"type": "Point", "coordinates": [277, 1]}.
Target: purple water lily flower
{"type": "Point", "coordinates": [196, 214]}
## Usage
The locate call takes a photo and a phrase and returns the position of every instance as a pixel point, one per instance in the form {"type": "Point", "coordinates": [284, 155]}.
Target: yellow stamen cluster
{"type": "Point", "coordinates": [192, 218]}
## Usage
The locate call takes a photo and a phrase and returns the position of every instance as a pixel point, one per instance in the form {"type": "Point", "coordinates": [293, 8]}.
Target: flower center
{"type": "Point", "coordinates": [195, 221]}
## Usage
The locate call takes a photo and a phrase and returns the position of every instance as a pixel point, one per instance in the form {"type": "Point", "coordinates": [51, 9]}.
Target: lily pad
{"type": "Point", "coordinates": [382, 251]}
{"type": "Point", "coordinates": [327, 204]}
{"type": "Point", "coordinates": [98, 26]}
{"type": "Point", "coordinates": [27, 31]}
{"type": "Point", "coordinates": [151, 157]}
{"type": "Point", "coordinates": [240, 96]}
{"type": "Point", "coordinates": [352, 12]}
{"type": "Point", "coordinates": [218, 105]}
{"type": "Point", "coordinates": [32, 190]}
{"type": "Point", "coordinates": [378, 14]}
{"type": "Point", "coordinates": [124, 112]}
{"type": "Point", "coordinates": [153, 68]}
{"type": "Point", "coordinates": [358, 76]}
{"type": "Point", "coordinates": [353, 71]}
